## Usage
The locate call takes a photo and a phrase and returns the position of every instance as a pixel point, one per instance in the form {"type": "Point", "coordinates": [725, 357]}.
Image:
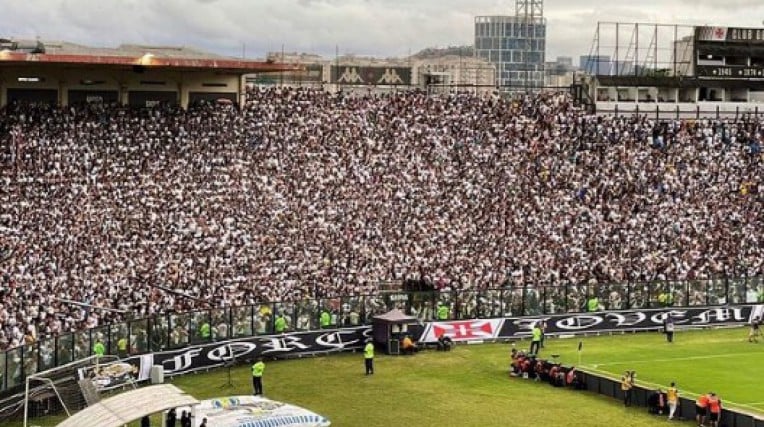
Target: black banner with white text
{"type": "Point", "coordinates": [216, 354]}
{"type": "Point", "coordinates": [580, 323]}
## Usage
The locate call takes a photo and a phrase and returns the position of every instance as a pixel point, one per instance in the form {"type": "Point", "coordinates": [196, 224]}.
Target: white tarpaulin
{"type": "Point", "coordinates": [255, 411]}
{"type": "Point", "coordinates": [130, 406]}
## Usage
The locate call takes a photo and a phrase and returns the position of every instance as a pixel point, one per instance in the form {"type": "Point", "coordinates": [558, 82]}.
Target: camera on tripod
{"type": "Point", "coordinates": [228, 363]}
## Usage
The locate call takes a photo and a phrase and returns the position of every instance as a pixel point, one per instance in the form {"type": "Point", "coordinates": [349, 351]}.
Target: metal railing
{"type": "Point", "coordinates": [672, 111]}
{"type": "Point", "coordinates": [177, 330]}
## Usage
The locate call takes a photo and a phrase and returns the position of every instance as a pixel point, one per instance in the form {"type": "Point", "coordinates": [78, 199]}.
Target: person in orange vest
{"type": "Point", "coordinates": [407, 345]}
{"type": "Point", "coordinates": [701, 409]}
{"type": "Point", "coordinates": [714, 409]}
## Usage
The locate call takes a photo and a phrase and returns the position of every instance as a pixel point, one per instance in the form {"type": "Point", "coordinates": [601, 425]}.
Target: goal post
{"type": "Point", "coordinates": [64, 383]}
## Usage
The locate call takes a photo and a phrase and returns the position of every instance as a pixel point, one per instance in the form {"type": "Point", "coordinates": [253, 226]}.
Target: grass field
{"type": "Point", "coordinates": [722, 361]}
{"type": "Point", "coordinates": [470, 385]}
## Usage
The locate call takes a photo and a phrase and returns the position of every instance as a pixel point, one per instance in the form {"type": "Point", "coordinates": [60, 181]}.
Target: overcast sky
{"type": "Point", "coordinates": [365, 27]}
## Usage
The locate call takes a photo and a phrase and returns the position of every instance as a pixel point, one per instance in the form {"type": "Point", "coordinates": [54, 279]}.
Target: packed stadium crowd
{"type": "Point", "coordinates": [304, 193]}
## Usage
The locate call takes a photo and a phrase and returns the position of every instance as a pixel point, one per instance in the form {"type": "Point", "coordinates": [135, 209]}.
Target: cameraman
{"type": "Point", "coordinates": [445, 343]}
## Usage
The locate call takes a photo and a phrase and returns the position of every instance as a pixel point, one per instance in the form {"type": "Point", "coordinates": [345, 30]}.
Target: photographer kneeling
{"type": "Point", "coordinates": [408, 346]}
{"type": "Point", "coordinates": [445, 343]}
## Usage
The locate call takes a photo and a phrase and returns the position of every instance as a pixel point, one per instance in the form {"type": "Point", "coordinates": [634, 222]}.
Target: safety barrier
{"type": "Point", "coordinates": [611, 387]}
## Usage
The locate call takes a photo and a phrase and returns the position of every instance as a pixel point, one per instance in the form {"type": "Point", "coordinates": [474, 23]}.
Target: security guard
{"type": "Point", "coordinates": [536, 340]}
{"type": "Point", "coordinates": [442, 311]}
{"type": "Point", "coordinates": [662, 299]}
{"type": "Point", "coordinates": [325, 319]}
{"type": "Point", "coordinates": [99, 349]}
{"type": "Point", "coordinates": [368, 357]}
{"type": "Point", "coordinates": [122, 347]}
{"type": "Point", "coordinates": [257, 376]}
{"type": "Point", "coordinates": [665, 299]}
{"type": "Point", "coordinates": [204, 331]}
{"type": "Point", "coordinates": [280, 324]}
{"type": "Point", "coordinates": [592, 304]}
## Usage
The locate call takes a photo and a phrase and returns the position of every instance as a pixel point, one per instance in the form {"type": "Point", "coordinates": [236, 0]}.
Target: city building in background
{"type": "Point", "coordinates": [437, 70]}
{"type": "Point", "coordinates": [516, 45]}
{"type": "Point", "coordinates": [565, 61]}
{"type": "Point", "coordinates": [560, 73]}
{"type": "Point", "coordinates": [626, 68]}
{"type": "Point", "coordinates": [595, 64]}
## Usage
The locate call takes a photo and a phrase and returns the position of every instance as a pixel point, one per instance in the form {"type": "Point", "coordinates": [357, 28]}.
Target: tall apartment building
{"type": "Point", "coordinates": [515, 44]}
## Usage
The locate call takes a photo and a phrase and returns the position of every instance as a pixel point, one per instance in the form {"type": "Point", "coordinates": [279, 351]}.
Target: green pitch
{"type": "Point", "coordinates": [470, 386]}
{"type": "Point", "coordinates": [720, 361]}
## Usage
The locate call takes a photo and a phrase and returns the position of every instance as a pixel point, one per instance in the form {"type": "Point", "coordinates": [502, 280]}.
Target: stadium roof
{"type": "Point", "coordinates": [129, 55]}
{"type": "Point", "coordinates": [130, 406]}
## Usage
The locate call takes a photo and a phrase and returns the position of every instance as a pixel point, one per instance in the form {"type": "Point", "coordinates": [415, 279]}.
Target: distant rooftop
{"type": "Point", "coordinates": [67, 48]}
{"type": "Point", "coordinates": [435, 52]}
{"type": "Point", "coordinates": [19, 51]}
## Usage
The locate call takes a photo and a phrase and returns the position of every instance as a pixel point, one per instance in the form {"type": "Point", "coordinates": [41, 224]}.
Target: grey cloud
{"type": "Point", "coordinates": [724, 4]}
{"type": "Point", "coordinates": [377, 27]}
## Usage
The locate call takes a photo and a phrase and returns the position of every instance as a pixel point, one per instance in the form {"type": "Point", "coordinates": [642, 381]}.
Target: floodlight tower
{"type": "Point", "coordinates": [529, 9]}
{"type": "Point", "coordinates": [530, 13]}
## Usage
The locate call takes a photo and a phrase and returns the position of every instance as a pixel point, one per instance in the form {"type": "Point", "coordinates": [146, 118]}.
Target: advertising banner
{"type": "Point", "coordinates": [111, 375]}
{"type": "Point", "coordinates": [462, 330]}
{"type": "Point", "coordinates": [631, 320]}
{"type": "Point", "coordinates": [371, 75]}
{"type": "Point", "coordinates": [205, 356]}
{"type": "Point", "coordinates": [611, 321]}
{"type": "Point", "coordinates": [255, 411]}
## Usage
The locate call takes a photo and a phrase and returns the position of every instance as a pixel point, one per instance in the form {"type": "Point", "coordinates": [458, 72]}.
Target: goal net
{"type": "Point", "coordinates": [69, 388]}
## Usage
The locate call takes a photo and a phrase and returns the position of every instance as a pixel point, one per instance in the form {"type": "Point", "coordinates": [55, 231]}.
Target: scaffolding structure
{"type": "Point", "coordinates": [640, 49]}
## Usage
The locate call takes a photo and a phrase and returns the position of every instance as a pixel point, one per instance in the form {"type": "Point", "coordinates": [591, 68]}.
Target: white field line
{"type": "Point", "coordinates": [652, 385]}
{"type": "Point", "coordinates": [710, 356]}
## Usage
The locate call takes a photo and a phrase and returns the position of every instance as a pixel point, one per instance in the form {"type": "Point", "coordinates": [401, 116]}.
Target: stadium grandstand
{"type": "Point", "coordinates": [304, 193]}
{"type": "Point", "coordinates": [129, 189]}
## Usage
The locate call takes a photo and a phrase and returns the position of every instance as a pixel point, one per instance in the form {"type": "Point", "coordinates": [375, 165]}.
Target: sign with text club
{"type": "Point", "coordinates": [730, 34]}
{"type": "Point", "coordinates": [747, 40]}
